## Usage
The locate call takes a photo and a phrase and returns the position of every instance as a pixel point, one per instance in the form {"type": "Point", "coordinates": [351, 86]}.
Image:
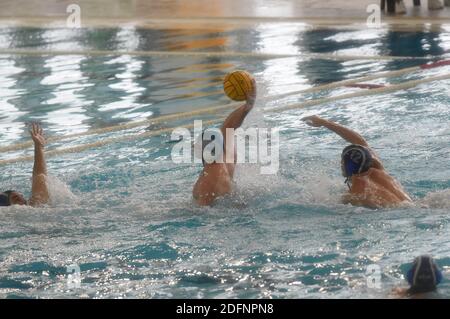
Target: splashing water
{"type": "Point", "coordinates": [124, 212]}
{"type": "Point", "coordinates": [438, 199]}
{"type": "Point", "coordinates": [60, 193]}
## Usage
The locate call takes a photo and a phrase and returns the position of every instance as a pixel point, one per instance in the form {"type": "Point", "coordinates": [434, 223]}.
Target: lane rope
{"type": "Point", "coordinates": [80, 148]}
{"type": "Point", "coordinates": [381, 90]}
{"type": "Point", "coordinates": [214, 109]}
{"type": "Point", "coordinates": [220, 54]}
{"type": "Point", "coordinates": [374, 91]}
{"type": "Point", "coordinates": [126, 126]}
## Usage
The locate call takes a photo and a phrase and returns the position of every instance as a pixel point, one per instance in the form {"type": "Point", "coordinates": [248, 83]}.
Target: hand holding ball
{"type": "Point", "coordinates": [239, 85]}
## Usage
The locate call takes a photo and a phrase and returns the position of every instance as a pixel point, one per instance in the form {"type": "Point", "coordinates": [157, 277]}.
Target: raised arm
{"type": "Point", "coordinates": [347, 134]}
{"type": "Point", "coordinates": [237, 117]}
{"type": "Point", "coordinates": [235, 120]}
{"type": "Point", "coordinates": [39, 190]}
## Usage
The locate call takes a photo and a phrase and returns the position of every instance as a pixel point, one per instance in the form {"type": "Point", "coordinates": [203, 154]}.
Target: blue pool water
{"type": "Point", "coordinates": [124, 212]}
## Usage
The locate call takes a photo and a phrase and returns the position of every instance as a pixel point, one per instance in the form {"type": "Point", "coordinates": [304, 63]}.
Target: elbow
{"type": "Point", "coordinates": [40, 179]}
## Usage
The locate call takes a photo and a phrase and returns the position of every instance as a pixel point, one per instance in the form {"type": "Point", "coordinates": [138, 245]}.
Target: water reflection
{"type": "Point", "coordinates": [66, 81]}
{"type": "Point", "coordinates": [128, 71]}
{"type": "Point", "coordinates": [73, 93]}
{"type": "Point", "coordinates": [357, 43]}
{"type": "Point", "coordinates": [127, 90]}
{"type": "Point", "coordinates": [62, 39]}
{"type": "Point", "coordinates": [9, 130]}
{"type": "Point", "coordinates": [281, 75]}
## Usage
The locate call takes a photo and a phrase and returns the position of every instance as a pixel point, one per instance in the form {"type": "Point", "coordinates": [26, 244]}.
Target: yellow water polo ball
{"type": "Point", "coordinates": [238, 84]}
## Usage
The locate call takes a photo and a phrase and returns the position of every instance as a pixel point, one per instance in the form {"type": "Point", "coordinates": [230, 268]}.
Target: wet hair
{"type": "Point", "coordinates": [5, 198]}
{"type": "Point", "coordinates": [424, 275]}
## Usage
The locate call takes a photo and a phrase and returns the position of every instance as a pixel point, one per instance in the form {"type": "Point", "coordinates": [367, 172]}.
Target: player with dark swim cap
{"type": "Point", "coordinates": [7, 198]}
{"type": "Point", "coordinates": [368, 182]}
{"type": "Point", "coordinates": [355, 159]}
{"type": "Point", "coordinates": [39, 190]}
{"type": "Point", "coordinates": [423, 277]}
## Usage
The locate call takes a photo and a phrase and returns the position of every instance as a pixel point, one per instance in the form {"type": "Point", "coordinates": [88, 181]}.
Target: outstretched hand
{"type": "Point", "coordinates": [314, 121]}
{"type": "Point", "coordinates": [37, 135]}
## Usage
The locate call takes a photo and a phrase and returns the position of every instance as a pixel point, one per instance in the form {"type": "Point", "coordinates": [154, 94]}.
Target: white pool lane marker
{"type": "Point", "coordinates": [127, 126]}
{"type": "Point", "coordinates": [214, 109]}
{"type": "Point", "coordinates": [221, 54]}
{"type": "Point", "coordinates": [107, 141]}
{"type": "Point", "coordinates": [372, 91]}
{"type": "Point", "coordinates": [381, 90]}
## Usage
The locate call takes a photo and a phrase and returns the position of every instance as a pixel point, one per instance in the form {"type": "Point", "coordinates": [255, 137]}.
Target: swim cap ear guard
{"type": "Point", "coordinates": [424, 275]}
{"type": "Point", "coordinates": [355, 159]}
{"type": "Point", "coordinates": [5, 198]}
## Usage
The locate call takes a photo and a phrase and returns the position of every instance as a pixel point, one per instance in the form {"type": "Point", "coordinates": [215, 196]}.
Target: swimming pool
{"type": "Point", "coordinates": [123, 212]}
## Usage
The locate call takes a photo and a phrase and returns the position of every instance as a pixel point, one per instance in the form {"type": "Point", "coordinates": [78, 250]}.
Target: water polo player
{"type": "Point", "coordinates": [39, 190]}
{"type": "Point", "coordinates": [368, 182]}
{"type": "Point", "coordinates": [423, 277]}
{"type": "Point", "coordinates": [216, 179]}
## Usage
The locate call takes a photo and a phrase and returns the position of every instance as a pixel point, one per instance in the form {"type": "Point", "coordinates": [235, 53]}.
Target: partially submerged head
{"type": "Point", "coordinates": [424, 275]}
{"type": "Point", "coordinates": [11, 197]}
{"type": "Point", "coordinates": [355, 159]}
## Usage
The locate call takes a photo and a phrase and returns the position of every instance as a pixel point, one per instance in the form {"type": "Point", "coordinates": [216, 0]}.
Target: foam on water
{"type": "Point", "coordinates": [60, 193]}
{"type": "Point", "coordinates": [438, 199]}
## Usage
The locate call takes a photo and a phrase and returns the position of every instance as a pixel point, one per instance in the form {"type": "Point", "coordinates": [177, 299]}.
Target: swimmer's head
{"type": "Point", "coordinates": [11, 197]}
{"type": "Point", "coordinates": [424, 275]}
{"type": "Point", "coordinates": [355, 159]}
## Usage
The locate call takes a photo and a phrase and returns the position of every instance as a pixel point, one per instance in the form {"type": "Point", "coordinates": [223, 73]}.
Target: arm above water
{"type": "Point", "coordinates": [347, 134]}
{"type": "Point", "coordinates": [237, 117]}
{"type": "Point", "coordinates": [234, 121]}
{"type": "Point", "coordinates": [39, 189]}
